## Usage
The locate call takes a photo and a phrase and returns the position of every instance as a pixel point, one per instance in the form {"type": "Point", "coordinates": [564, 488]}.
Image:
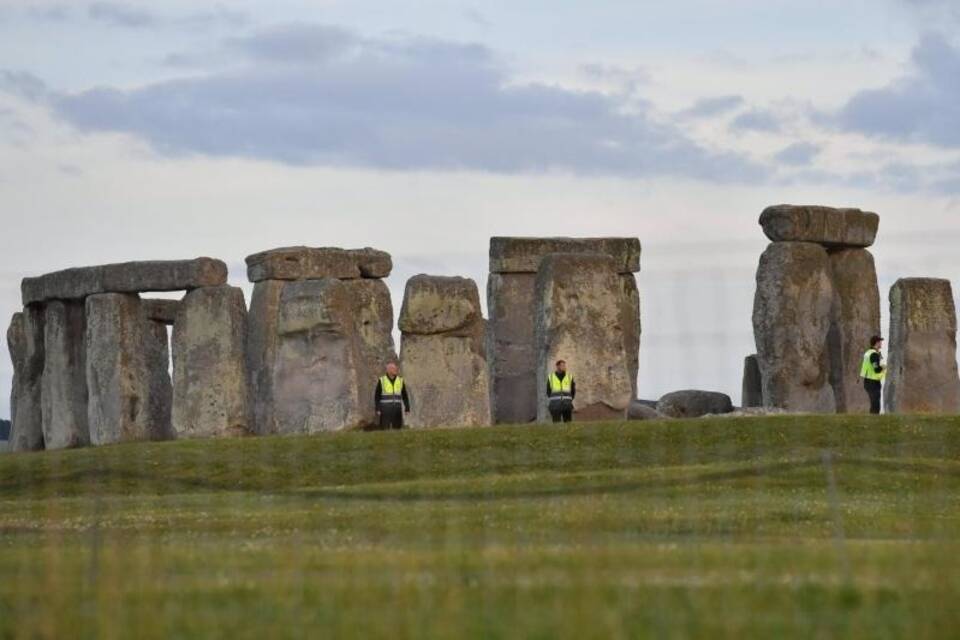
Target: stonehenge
{"type": "Point", "coordinates": [922, 365]}
{"type": "Point", "coordinates": [577, 317]}
{"type": "Point", "coordinates": [320, 326]}
{"type": "Point", "coordinates": [816, 305]}
{"type": "Point", "coordinates": [92, 356]}
{"type": "Point", "coordinates": [443, 352]}
{"type": "Point", "coordinates": [516, 371]}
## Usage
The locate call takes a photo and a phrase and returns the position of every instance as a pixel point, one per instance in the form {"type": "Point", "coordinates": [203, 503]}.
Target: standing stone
{"type": "Point", "coordinates": [314, 384]}
{"type": "Point", "coordinates": [630, 321]}
{"type": "Point", "coordinates": [373, 324]}
{"type": "Point", "coordinates": [513, 367]}
{"type": "Point", "coordinates": [791, 320]}
{"type": "Point", "coordinates": [855, 317]}
{"type": "Point", "coordinates": [209, 373]}
{"type": "Point", "coordinates": [160, 310]}
{"type": "Point", "coordinates": [922, 366]}
{"type": "Point", "coordinates": [261, 357]}
{"type": "Point", "coordinates": [752, 392]}
{"type": "Point", "coordinates": [25, 341]}
{"type": "Point", "coordinates": [64, 396]}
{"type": "Point", "coordinates": [118, 404]}
{"type": "Point", "coordinates": [443, 352]}
{"type": "Point", "coordinates": [156, 351]}
{"type": "Point", "coordinates": [578, 319]}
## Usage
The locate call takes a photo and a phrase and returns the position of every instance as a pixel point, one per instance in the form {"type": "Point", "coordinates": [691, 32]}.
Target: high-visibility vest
{"type": "Point", "coordinates": [867, 371]}
{"type": "Point", "coordinates": [391, 392]}
{"type": "Point", "coordinates": [561, 389]}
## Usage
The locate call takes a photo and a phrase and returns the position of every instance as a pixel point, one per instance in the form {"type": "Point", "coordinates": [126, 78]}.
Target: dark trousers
{"type": "Point", "coordinates": [391, 416]}
{"type": "Point", "coordinates": [561, 411]}
{"type": "Point", "coordinates": [874, 388]}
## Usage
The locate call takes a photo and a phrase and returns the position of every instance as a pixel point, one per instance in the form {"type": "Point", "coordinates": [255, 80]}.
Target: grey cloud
{"type": "Point", "coordinates": [394, 103]}
{"type": "Point", "coordinates": [121, 15]}
{"type": "Point", "coordinates": [923, 106]}
{"type": "Point", "coordinates": [474, 15]}
{"type": "Point", "coordinates": [798, 154]}
{"type": "Point", "coordinates": [299, 43]}
{"type": "Point", "coordinates": [756, 120]}
{"type": "Point", "coordinates": [136, 16]}
{"type": "Point", "coordinates": [714, 106]}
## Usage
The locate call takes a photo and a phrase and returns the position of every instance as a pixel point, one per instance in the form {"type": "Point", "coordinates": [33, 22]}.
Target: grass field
{"type": "Point", "coordinates": [713, 528]}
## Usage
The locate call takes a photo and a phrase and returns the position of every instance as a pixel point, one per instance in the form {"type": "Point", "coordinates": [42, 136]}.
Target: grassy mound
{"type": "Point", "coordinates": [773, 527]}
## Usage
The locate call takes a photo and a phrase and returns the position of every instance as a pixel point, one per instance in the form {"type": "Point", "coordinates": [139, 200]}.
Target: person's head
{"type": "Point", "coordinates": [392, 369]}
{"type": "Point", "coordinates": [561, 366]}
{"type": "Point", "coordinates": [876, 342]}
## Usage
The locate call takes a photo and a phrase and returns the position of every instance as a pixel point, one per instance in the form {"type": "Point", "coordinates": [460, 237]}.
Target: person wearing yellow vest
{"type": "Point", "coordinates": [561, 389]}
{"type": "Point", "coordinates": [391, 398]}
{"type": "Point", "coordinates": [873, 371]}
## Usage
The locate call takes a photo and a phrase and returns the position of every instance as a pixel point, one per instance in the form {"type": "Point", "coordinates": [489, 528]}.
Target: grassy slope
{"type": "Point", "coordinates": [708, 528]}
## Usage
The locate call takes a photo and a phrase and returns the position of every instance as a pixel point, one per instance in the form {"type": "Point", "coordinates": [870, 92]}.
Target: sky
{"type": "Point", "coordinates": [164, 130]}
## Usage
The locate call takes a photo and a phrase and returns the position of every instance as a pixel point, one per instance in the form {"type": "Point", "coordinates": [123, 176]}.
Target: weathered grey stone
{"type": "Point", "coordinates": [752, 393]}
{"type": "Point", "coordinates": [922, 366]}
{"type": "Point", "coordinates": [262, 342]}
{"type": "Point", "coordinates": [64, 396]}
{"type": "Point", "coordinates": [439, 304]}
{"type": "Point", "coordinates": [302, 263]}
{"type": "Point", "coordinates": [372, 263]}
{"type": "Point", "coordinates": [158, 310]}
{"type": "Point", "coordinates": [314, 386]}
{"type": "Point", "coordinates": [25, 341]}
{"type": "Point", "coordinates": [156, 350]}
{"type": "Point", "coordinates": [523, 255]}
{"type": "Point", "coordinates": [128, 277]}
{"type": "Point", "coordinates": [513, 364]}
{"type": "Point", "coordinates": [118, 393]}
{"type": "Point", "coordinates": [630, 321]}
{"type": "Point", "coordinates": [443, 353]}
{"type": "Point", "coordinates": [578, 315]}
{"type": "Point", "coordinates": [691, 403]}
{"type": "Point", "coordinates": [373, 319]}
{"type": "Point", "coordinates": [641, 411]}
{"type": "Point", "coordinates": [823, 225]}
{"type": "Point", "coordinates": [210, 394]}
{"type": "Point", "coordinates": [372, 326]}
{"type": "Point", "coordinates": [855, 317]}
{"type": "Point", "coordinates": [791, 319]}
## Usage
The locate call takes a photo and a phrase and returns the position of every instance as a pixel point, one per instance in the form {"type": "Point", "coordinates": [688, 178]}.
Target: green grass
{"type": "Point", "coordinates": [716, 528]}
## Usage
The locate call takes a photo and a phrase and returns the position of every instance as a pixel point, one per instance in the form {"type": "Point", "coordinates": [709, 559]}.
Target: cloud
{"type": "Point", "coordinates": [121, 15]}
{"type": "Point", "coordinates": [923, 106]}
{"type": "Point", "coordinates": [135, 16]}
{"type": "Point", "coordinates": [714, 106]}
{"type": "Point", "coordinates": [798, 154]}
{"type": "Point", "coordinates": [316, 95]}
{"type": "Point", "coordinates": [756, 120]}
{"type": "Point", "coordinates": [476, 17]}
